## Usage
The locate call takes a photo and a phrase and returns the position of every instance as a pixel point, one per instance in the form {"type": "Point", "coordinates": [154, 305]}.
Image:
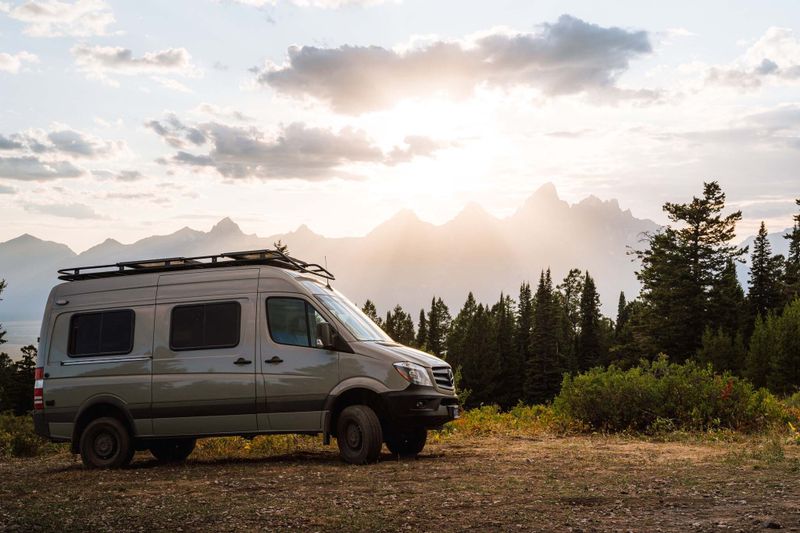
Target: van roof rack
{"type": "Point", "coordinates": [274, 258]}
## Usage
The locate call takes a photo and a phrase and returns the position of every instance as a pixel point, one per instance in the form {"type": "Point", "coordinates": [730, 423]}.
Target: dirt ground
{"type": "Point", "coordinates": [481, 484]}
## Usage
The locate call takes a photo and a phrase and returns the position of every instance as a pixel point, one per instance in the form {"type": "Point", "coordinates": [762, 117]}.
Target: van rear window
{"type": "Point", "coordinates": [101, 333]}
{"type": "Point", "coordinates": [205, 326]}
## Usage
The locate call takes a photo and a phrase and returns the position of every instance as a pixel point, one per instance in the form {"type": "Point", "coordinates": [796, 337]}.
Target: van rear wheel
{"type": "Point", "coordinates": [406, 443]}
{"type": "Point", "coordinates": [359, 435]}
{"type": "Point", "coordinates": [172, 450]}
{"type": "Point", "coordinates": [106, 443]}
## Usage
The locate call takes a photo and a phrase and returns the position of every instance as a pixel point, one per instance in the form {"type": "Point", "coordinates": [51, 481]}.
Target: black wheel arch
{"type": "Point", "coordinates": [355, 395]}
{"type": "Point", "coordinates": [99, 406]}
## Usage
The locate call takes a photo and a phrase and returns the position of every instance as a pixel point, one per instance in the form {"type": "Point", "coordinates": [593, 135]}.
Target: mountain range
{"type": "Point", "coordinates": [403, 260]}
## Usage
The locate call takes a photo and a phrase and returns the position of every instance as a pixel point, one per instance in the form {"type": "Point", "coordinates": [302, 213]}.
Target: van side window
{"type": "Point", "coordinates": [293, 321]}
{"type": "Point", "coordinates": [205, 326]}
{"type": "Point", "coordinates": [101, 333]}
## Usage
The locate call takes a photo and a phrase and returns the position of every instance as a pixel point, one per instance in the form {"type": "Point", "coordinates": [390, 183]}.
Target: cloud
{"type": "Point", "coordinates": [324, 4]}
{"type": "Point", "coordinates": [295, 151]}
{"type": "Point", "coordinates": [33, 168]}
{"type": "Point", "coordinates": [44, 155]}
{"type": "Point", "coordinates": [52, 18]}
{"type": "Point", "coordinates": [12, 63]}
{"type": "Point", "coordinates": [7, 190]}
{"type": "Point", "coordinates": [73, 210]}
{"type": "Point", "coordinates": [97, 62]}
{"type": "Point", "coordinates": [123, 175]}
{"type": "Point", "coordinates": [774, 128]}
{"type": "Point", "coordinates": [565, 57]}
{"type": "Point", "coordinates": [774, 58]}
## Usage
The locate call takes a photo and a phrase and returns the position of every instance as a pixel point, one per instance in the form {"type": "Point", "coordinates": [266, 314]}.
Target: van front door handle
{"type": "Point", "coordinates": [242, 361]}
{"type": "Point", "coordinates": [275, 360]}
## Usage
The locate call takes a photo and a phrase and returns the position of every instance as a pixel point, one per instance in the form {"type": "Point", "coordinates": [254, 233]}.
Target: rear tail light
{"type": "Point", "coordinates": [38, 389]}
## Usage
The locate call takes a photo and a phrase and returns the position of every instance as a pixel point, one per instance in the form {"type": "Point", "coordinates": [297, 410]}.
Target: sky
{"type": "Point", "coordinates": [127, 119]}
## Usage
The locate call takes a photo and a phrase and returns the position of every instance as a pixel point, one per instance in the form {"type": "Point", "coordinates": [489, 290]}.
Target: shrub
{"type": "Point", "coordinates": [17, 438]}
{"type": "Point", "coordinates": [660, 395]}
{"type": "Point", "coordinates": [522, 419]}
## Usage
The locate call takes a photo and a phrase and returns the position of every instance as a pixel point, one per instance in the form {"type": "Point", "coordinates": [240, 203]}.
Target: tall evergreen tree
{"type": "Point", "coordinates": [400, 326]}
{"type": "Point", "coordinates": [2, 331]}
{"type": "Point", "coordinates": [511, 367]}
{"type": "Point", "coordinates": [568, 299]}
{"type": "Point", "coordinates": [438, 327]}
{"type": "Point", "coordinates": [765, 292]}
{"type": "Point", "coordinates": [792, 272]}
{"type": "Point", "coordinates": [371, 311]}
{"type": "Point", "coordinates": [764, 344]}
{"type": "Point", "coordinates": [589, 337]}
{"type": "Point", "coordinates": [784, 374]}
{"type": "Point", "coordinates": [681, 265]}
{"type": "Point", "coordinates": [422, 331]}
{"type": "Point", "coordinates": [623, 314]}
{"type": "Point", "coordinates": [524, 323]}
{"type": "Point", "coordinates": [457, 347]}
{"type": "Point", "coordinates": [726, 302]}
{"type": "Point", "coordinates": [479, 363]}
{"type": "Point", "coordinates": [722, 350]}
{"type": "Point", "coordinates": [545, 365]}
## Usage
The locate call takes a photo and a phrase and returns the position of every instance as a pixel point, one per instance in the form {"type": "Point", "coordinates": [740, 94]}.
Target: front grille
{"type": "Point", "coordinates": [444, 377]}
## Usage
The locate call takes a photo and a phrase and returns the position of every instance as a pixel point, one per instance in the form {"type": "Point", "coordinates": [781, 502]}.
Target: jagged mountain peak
{"type": "Point", "coordinates": [226, 225]}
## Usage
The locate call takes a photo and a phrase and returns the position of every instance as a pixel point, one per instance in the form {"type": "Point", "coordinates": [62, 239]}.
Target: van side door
{"type": "Point", "coordinates": [296, 374]}
{"type": "Point", "coordinates": [204, 360]}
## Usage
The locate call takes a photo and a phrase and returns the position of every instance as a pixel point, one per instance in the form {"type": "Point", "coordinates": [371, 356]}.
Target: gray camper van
{"type": "Point", "coordinates": [151, 355]}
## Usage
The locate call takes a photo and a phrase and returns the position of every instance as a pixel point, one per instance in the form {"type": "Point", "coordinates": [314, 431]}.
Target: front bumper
{"type": "Point", "coordinates": [418, 406]}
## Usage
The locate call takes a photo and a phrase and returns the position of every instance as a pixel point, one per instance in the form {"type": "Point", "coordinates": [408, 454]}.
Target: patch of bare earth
{"type": "Point", "coordinates": [480, 484]}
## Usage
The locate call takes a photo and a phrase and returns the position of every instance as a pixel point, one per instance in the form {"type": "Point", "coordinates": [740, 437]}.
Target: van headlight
{"type": "Point", "coordinates": [414, 373]}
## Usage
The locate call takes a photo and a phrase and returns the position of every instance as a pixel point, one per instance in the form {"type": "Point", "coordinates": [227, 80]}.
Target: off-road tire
{"type": "Point", "coordinates": [359, 435]}
{"type": "Point", "coordinates": [172, 450]}
{"type": "Point", "coordinates": [106, 443]}
{"type": "Point", "coordinates": [406, 443]}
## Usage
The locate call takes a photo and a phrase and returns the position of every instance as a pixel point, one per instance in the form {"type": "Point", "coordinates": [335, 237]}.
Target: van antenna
{"type": "Point", "coordinates": [327, 281]}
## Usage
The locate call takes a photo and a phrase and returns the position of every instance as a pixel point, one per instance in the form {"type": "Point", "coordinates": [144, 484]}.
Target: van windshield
{"type": "Point", "coordinates": [356, 322]}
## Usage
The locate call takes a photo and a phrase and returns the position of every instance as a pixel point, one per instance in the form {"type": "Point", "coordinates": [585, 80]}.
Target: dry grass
{"type": "Point", "coordinates": [494, 482]}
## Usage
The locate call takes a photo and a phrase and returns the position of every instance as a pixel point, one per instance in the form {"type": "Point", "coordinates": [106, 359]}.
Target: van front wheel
{"type": "Point", "coordinates": [172, 450]}
{"type": "Point", "coordinates": [106, 443]}
{"type": "Point", "coordinates": [359, 435]}
{"type": "Point", "coordinates": [406, 443]}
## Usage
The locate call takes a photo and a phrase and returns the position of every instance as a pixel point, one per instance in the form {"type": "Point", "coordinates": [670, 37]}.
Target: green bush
{"type": "Point", "coordinates": [17, 438]}
{"type": "Point", "coordinates": [658, 396]}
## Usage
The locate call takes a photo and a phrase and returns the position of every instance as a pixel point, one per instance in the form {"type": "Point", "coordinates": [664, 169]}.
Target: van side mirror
{"type": "Point", "coordinates": [326, 336]}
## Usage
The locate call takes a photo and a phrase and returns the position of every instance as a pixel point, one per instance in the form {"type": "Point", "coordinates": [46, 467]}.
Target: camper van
{"type": "Point", "coordinates": [152, 355]}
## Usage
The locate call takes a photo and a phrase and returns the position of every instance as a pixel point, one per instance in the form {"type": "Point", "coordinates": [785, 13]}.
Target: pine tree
{"type": "Point", "coordinates": [765, 276]}
{"type": "Point", "coordinates": [438, 327]}
{"type": "Point", "coordinates": [784, 372]}
{"type": "Point", "coordinates": [568, 299]}
{"type": "Point", "coordinates": [457, 347]}
{"type": "Point", "coordinates": [545, 365]}
{"type": "Point", "coordinates": [371, 311]}
{"type": "Point", "coordinates": [2, 331]}
{"type": "Point", "coordinates": [679, 268]}
{"type": "Point", "coordinates": [511, 368]}
{"type": "Point", "coordinates": [792, 273]}
{"type": "Point", "coordinates": [479, 363]}
{"type": "Point", "coordinates": [763, 346]}
{"type": "Point", "coordinates": [726, 302]}
{"type": "Point", "coordinates": [422, 331]}
{"type": "Point", "coordinates": [623, 314]}
{"type": "Point", "coordinates": [400, 326]}
{"type": "Point", "coordinates": [524, 322]}
{"type": "Point", "coordinates": [589, 337]}
{"type": "Point", "coordinates": [722, 350]}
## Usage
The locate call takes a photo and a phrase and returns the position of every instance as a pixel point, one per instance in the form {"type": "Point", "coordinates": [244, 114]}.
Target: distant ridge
{"type": "Point", "coordinates": [403, 260]}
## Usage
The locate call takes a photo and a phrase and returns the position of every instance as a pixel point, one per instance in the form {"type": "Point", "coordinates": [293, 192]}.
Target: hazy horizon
{"type": "Point", "coordinates": [124, 121]}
